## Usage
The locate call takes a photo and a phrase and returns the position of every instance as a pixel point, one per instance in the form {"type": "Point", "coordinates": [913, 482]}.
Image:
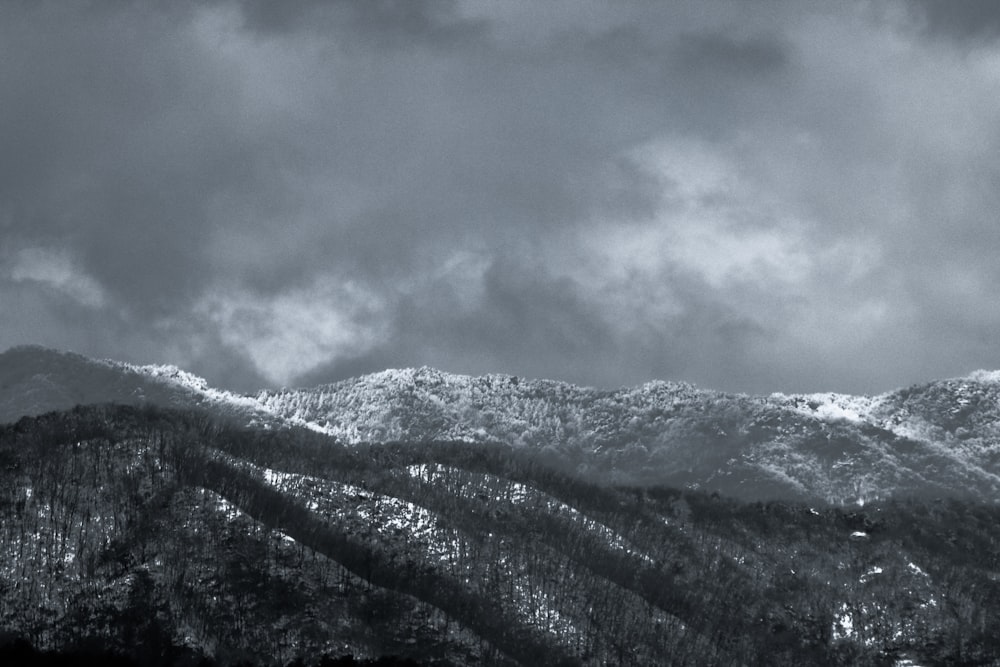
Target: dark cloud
{"type": "Point", "coordinates": [118, 139]}
{"type": "Point", "coordinates": [530, 323]}
{"type": "Point", "coordinates": [519, 319]}
{"type": "Point", "coordinates": [719, 53]}
{"type": "Point", "coordinates": [964, 20]}
{"type": "Point", "coordinates": [755, 196]}
{"type": "Point", "coordinates": [387, 23]}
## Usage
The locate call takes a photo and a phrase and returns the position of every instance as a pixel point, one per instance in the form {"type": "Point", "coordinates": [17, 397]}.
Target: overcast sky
{"type": "Point", "coordinates": [749, 195]}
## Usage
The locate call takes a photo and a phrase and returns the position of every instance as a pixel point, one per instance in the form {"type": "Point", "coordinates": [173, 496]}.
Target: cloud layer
{"type": "Point", "coordinates": [750, 196]}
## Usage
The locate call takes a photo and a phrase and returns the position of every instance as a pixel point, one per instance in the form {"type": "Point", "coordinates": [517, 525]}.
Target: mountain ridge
{"type": "Point", "coordinates": [938, 438]}
{"type": "Point", "coordinates": [492, 520]}
{"type": "Point", "coordinates": [166, 538]}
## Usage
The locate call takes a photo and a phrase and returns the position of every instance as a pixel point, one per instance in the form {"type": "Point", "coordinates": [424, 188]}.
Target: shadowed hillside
{"type": "Point", "coordinates": [164, 534]}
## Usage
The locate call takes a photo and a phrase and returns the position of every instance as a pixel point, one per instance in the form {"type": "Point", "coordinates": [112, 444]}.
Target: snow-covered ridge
{"type": "Point", "coordinates": [425, 403]}
{"type": "Point", "coordinates": [167, 373]}
{"type": "Point", "coordinates": [181, 379]}
{"type": "Point", "coordinates": [197, 386]}
{"type": "Point", "coordinates": [830, 446]}
{"type": "Point", "coordinates": [985, 376]}
{"type": "Point", "coordinates": [832, 406]}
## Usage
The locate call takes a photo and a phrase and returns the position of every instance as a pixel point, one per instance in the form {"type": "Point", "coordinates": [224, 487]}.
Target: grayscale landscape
{"type": "Point", "coordinates": [451, 519]}
{"type": "Point", "coordinates": [469, 332]}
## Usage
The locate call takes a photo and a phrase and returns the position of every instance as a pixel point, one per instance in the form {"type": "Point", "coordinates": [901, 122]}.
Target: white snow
{"type": "Point", "coordinates": [542, 612]}
{"type": "Point", "coordinates": [388, 515]}
{"type": "Point", "coordinates": [231, 511]}
{"type": "Point", "coordinates": [831, 406]}
{"type": "Point", "coordinates": [985, 376]}
{"type": "Point", "coordinates": [172, 375]}
{"type": "Point", "coordinates": [906, 662]}
{"type": "Point", "coordinates": [843, 624]}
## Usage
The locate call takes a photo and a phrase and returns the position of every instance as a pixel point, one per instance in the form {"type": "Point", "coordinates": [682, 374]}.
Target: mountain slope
{"type": "Point", "coordinates": [35, 380]}
{"type": "Point", "coordinates": [936, 439]}
{"type": "Point", "coordinates": [167, 538]}
{"type": "Point", "coordinates": [941, 438]}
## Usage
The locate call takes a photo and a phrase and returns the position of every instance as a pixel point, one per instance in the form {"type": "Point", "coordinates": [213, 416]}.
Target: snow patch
{"type": "Point", "coordinates": [390, 516]}
{"type": "Point", "coordinates": [832, 407]}
{"type": "Point", "coordinates": [985, 376]}
{"type": "Point", "coordinates": [843, 623]}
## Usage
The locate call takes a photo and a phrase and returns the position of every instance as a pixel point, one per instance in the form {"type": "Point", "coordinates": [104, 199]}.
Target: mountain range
{"type": "Point", "coordinates": [941, 438]}
{"type": "Point", "coordinates": [495, 520]}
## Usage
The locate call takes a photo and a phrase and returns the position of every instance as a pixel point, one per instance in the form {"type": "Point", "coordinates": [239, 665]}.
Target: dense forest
{"type": "Point", "coordinates": [169, 537]}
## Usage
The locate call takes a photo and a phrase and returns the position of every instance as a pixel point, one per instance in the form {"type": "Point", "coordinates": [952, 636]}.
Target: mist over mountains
{"type": "Point", "coordinates": [494, 520]}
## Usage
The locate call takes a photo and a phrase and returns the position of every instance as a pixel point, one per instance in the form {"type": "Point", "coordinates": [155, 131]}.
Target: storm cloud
{"type": "Point", "coordinates": [751, 196]}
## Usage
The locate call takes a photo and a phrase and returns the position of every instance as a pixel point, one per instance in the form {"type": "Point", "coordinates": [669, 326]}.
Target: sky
{"type": "Point", "coordinates": [749, 195]}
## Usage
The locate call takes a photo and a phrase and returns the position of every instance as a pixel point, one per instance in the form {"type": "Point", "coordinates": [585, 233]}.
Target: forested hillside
{"type": "Point", "coordinates": [936, 439]}
{"type": "Point", "coordinates": [168, 536]}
